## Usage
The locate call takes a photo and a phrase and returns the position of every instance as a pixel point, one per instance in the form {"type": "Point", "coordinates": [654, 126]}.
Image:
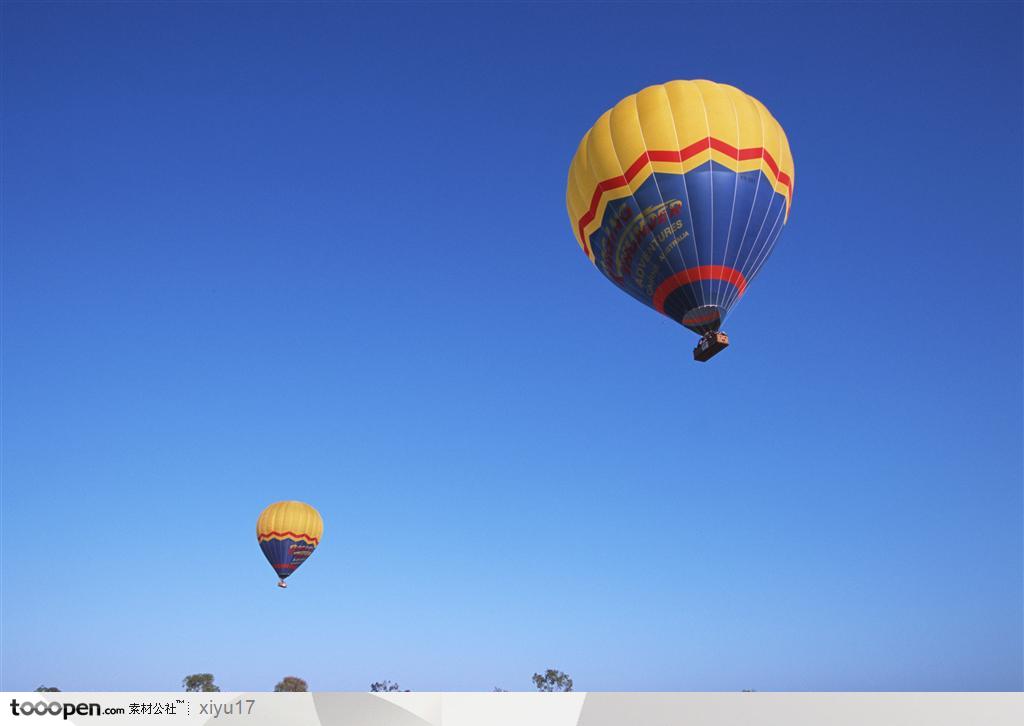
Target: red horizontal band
{"type": "Point", "coordinates": [694, 274]}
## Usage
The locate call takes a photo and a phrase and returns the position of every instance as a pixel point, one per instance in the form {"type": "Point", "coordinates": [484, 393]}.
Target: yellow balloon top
{"type": "Point", "coordinates": [290, 520]}
{"type": "Point", "coordinates": [672, 128]}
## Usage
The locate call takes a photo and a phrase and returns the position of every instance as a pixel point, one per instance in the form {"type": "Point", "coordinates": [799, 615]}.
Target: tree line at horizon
{"type": "Point", "coordinates": [550, 681]}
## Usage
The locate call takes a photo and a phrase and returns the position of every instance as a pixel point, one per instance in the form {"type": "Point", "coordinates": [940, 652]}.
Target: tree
{"type": "Point", "coordinates": [552, 680]}
{"type": "Point", "coordinates": [291, 684]}
{"type": "Point", "coordinates": [498, 689]}
{"type": "Point", "coordinates": [200, 683]}
{"type": "Point", "coordinates": [385, 687]}
{"type": "Point", "coordinates": [47, 689]}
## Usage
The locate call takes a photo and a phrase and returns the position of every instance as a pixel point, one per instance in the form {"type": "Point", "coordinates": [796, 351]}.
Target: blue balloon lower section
{"type": "Point", "coordinates": [688, 244]}
{"type": "Point", "coordinates": [285, 555]}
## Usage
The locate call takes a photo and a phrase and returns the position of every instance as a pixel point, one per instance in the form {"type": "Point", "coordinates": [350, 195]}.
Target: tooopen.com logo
{"type": "Point", "coordinates": [56, 708]}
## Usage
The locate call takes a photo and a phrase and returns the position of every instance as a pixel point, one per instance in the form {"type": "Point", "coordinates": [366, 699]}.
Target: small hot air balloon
{"type": "Point", "coordinates": [288, 532]}
{"type": "Point", "coordinates": [678, 195]}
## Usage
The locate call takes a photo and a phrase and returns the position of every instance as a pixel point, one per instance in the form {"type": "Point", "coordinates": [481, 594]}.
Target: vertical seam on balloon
{"type": "Point", "coordinates": [668, 103]}
{"type": "Point", "coordinates": [755, 248]}
{"type": "Point", "coordinates": [611, 139]}
{"type": "Point", "coordinates": [770, 240]}
{"type": "Point", "coordinates": [686, 193]}
{"type": "Point", "coordinates": [679, 247]}
{"type": "Point", "coordinates": [571, 184]}
{"type": "Point", "coordinates": [753, 203]}
{"type": "Point", "coordinates": [653, 175]}
{"type": "Point", "coordinates": [711, 186]}
{"type": "Point", "coordinates": [753, 245]}
{"type": "Point", "coordinates": [735, 189]}
{"type": "Point", "coordinates": [581, 188]}
{"type": "Point", "coordinates": [574, 172]}
{"type": "Point", "coordinates": [785, 207]}
{"type": "Point", "coordinates": [773, 235]}
{"type": "Point", "coordinates": [776, 231]}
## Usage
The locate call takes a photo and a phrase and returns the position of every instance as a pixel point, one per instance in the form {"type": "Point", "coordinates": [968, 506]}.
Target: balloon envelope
{"type": "Point", "coordinates": [678, 195]}
{"type": "Point", "coordinates": [288, 532]}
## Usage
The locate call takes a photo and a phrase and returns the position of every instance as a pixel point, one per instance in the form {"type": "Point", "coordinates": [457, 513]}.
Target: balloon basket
{"type": "Point", "coordinates": [282, 583]}
{"type": "Point", "coordinates": [710, 344]}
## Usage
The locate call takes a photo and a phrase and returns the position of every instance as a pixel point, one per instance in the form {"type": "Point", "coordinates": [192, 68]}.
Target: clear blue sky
{"type": "Point", "coordinates": [319, 251]}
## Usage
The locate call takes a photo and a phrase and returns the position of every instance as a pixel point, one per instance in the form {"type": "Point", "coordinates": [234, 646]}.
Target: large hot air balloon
{"type": "Point", "coordinates": [678, 195]}
{"type": "Point", "coordinates": [288, 532]}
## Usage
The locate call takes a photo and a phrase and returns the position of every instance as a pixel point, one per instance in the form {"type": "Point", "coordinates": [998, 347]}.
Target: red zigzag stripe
{"type": "Point", "coordinates": [677, 156]}
{"type": "Point", "coordinates": [292, 535]}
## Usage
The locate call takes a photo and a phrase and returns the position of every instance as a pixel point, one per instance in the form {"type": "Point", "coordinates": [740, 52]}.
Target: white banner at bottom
{"type": "Point", "coordinates": [513, 709]}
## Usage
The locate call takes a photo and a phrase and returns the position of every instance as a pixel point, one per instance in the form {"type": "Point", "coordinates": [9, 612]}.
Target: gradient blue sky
{"type": "Point", "coordinates": [320, 251]}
